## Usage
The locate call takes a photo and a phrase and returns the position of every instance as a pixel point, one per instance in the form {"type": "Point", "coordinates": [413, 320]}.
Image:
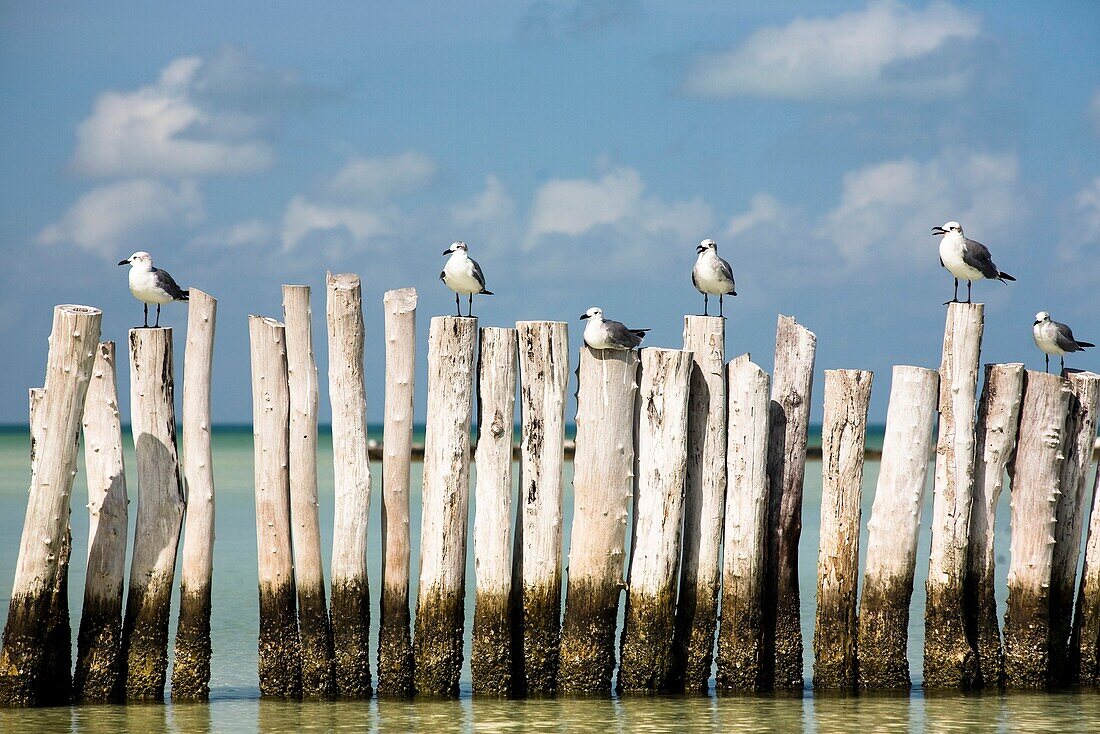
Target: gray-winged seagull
{"type": "Point", "coordinates": [151, 285]}
{"type": "Point", "coordinates": [966, 258]}
{"type": "Point", "coordinates": [601, 333]}
{"type": "Point", "coordinates": [1054, 338]}
{"type": "Point", "coordinates": [712, 276]}
{"type": "Point", "coordinates": [462, 274]}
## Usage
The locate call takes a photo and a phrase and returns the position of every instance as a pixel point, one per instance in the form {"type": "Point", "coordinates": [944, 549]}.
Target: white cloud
{"type": "Point", "coordinates": [884, 50]}
{"type": "Point", "coordinates": [763, 209]}
{"type": "Point", "coordinates": [382, 177]}
{"type": "Point", "coordinates": [575, 206]}
{"type": "Point", "coordinates": [336, 224]}
{"type": "Point", "coordinates": [243, 234]}
{"type": "Point", "coordinates": [1094, 111]}
{"type": "Point", "coordinates": [1080, 243]}
{"type": "Point", "coordinates": [491, 205]}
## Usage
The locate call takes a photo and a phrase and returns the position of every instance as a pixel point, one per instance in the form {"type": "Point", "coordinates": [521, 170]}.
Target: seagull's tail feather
{"type": "Point", "coordinates": [732, 292]}
{"type": "Point", "coordinates": [1004, 277]}
{"type": "Point", "coordinates": [640, 333]}
{"type": "Point", "coordinates": [184, 295]}
{"type": "Point", "coordinates": [1085, 345]}
{"type": "Point", "coordinates": [486, 293]}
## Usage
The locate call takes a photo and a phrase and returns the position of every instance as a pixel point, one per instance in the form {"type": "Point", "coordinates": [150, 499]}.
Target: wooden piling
{"type": "Point", "coordinates": [395, 663]}
{"type": "Point", "coordinates": [350, 600]}
{"type": "Point", "coordinates": [843, 437]}
{"type": "Point", "coordinates": [660, 459]}
{"type": "Point", "coordinates": [603, 483]}
{"type": "Point", "coordinates": [536, 563]}
{"type": "Point", "coordinates": [491, 657]}
{"type": "Point", "coordinates": [892, 531]}
{"type": "Point", "coordinates": [1085, 640]}
{"type": "Point", "coordinates": [191, 667]}
{"type": "Point", "coordinates": [440, 598]}
{"type": "Point", "coordinates": [741, 632]}
{"type": "Point", "coordinates": [279, 648]}
{"type": "Point", "coordinates": [950, 660]}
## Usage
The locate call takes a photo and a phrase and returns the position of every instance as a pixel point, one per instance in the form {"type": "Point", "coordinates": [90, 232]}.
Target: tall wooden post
{"type": "Point", "coordinates": [1085, 641]}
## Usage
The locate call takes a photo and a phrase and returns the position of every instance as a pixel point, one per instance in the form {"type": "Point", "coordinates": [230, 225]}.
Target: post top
{"type": "Point", "coordinates": [342, 281]}
{"type": "Point", "coordinates": [78, 310]}
{"type": "Point", "coordinates": [401, 300]}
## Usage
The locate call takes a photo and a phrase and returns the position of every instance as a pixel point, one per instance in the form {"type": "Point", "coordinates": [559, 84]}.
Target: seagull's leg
{"type": "Point", "coordinates": [1062, 359]}
{"type": "Point", "coordinates": [146, 325]}
{"type": "Point", "coordinates": [969, 283]}
{"type": "Point", "coordinates": [721, 311]}
{"type": "Point", "coordinates": [954, 298]}
{"type": "Point", "coordinates": [458, 304]}
{"type": "Point", "coordinates": [470, 308]}
{"type": "Point", "coordinates": [1048, 364]}
{"type": "Point", "coordinates": [706, 300]}
{"type": "Point", "coordinates": [157, 324]}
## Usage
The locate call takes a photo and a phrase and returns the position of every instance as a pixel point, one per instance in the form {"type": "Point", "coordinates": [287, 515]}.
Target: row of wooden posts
{"type": "Point", "coordinates": [701, 460]}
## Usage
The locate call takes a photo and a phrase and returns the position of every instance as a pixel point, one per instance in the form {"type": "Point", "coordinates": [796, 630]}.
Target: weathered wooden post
{"type": "Point", "coordinates": [950, 660]}
{"type": "Point", "coordinates": [99, 641]}
{"type": "Point", "coordinates": [998, 418]}
{"type": "Point", "coordinates": [350, 601]}
{"type": "Point", "coordinates": [603, 483]}
{"type": "Point", "coordinates": [843, 438]}
{"type": "Point", "coordinates": [26, 674]}
{"type": "Point", "coordinates": [440, 598]}
{"type": "Point", "coordinates": [491, 658]}
{"type": "Point", "coordinates": [893, 530]}
{"type": "Point", "coordinates": [314, 630]}
{"type": "Point", "coordinates": [395, 663]}
{"type": "Point", "coordinates": [795, 348]}
{"type": "Point", "coordinates": [1085, 641]}
{"type": "Point", "coordinates": [741, 633]}
{"type": "Point", "coordinates": [160, 507]}
{"type": "Point", "coordinates": [536, 564]}
{"type": "Point", "coordinates": [1035, 474]}
{"type": "Point", "coordinates": [704, 506]}
{"type": "Point", "coordinates": [191, 668]}
{"type": "Point", "coordinates": [660, 459]}
{"type": "Point", "coordinates": [279, 648]}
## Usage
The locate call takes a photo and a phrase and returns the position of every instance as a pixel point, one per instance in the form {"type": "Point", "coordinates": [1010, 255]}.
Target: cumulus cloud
{"type": "Point", "coordinates": [382, 177]}
{"type": "Point", "coordinates": [763, 209]}
{"type": "Point", "coordinates": [491, 205]}
{"type": "Point", "coordinates": [251, 232]}
{"type": "Point", "coordinates": [1080, 241]}
{"type": "Point", "coordinates": [334, 223]}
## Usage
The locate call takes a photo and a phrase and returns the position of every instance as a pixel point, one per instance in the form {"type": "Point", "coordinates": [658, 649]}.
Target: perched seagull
{"type": "Point", "coordinates": [966, 258]}
{"type": "Point", "coordinates": [712, 276]}
{"type": "Point", "coordinates": [462, 274]}
{"type": "Point", "coordinates": [151, 285]}
{"type": "Point", "coordinates": [601, 333]}
{"type": "Point", "coordinates": [1054, 338]}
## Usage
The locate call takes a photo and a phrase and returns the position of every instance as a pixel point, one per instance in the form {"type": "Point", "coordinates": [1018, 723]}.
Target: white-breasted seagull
{"type": "Point", "coordinates": [462, 274]}
{"type": "Point", "coordinates": [1055, 338]}
{"type": "Point", "coordinates": [151, 285]}
{"type": "Point", "coordinates": [966, 258]}
{"type": "Point", "coordinates": [712, 276]}
{"type": "Point", "coordinates": [601, 333]}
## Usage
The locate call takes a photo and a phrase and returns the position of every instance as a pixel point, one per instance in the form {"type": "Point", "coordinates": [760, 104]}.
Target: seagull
{"type": "Point", "coordinates": [151, 285]}
{"type": "Point", "coordinates": [966, 258]}
{"type": "Point", "coordinates": [462, 274]}
{"type": "Point", "coordinates": [1054, 338]}
{"type": "Point", "coordinates": [712, 276]}
{"type": "Point", "coordinates": [601, 333]}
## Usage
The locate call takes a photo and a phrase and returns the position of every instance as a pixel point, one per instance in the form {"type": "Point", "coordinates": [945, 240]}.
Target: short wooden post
{"type": "Point", "coordinates": [893, 530]}
{"type": "Point", "coordinates": [279, 648]}
{"type": "Point", "coordinates": [191, 668]}
{"type": "Point", "coordinates": [99, 641]}
{"type": "Point", "coordinates": [350, 602]}
{"type": "Point", "coordinates": [742, 627]}
{"type": "Point", "coordinates": [795, 348]}
{"type": "Point", "coordinates": [998, 418]}
{"type": "Point", "coordinates": [160, 507]}
{"type": "Point", "coordinates": [395, 663]}
{"type": "Point", "coordinates": [28, 671]}
{"type": "Point", "coordinates": [603, 483]}
{"type": "Point", "coordinates": [440, 598]}
{"type": "Point", "coordinates": [491, 658]}
{"type": "Point", "coordinates": [1085, 641]}
{"type": "Point", "coordinates": [950, 660]}
{"type": "Point", "coordinates": [536, 564]}
{"type": "Point", "coordinates": [660, 459]}
{"type": "Point", "coordinates": [843, 438]}
{"type": "Point", "coordinates": [704, 506]}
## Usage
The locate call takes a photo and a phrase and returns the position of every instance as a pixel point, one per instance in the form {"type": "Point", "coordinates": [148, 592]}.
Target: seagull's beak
{"type": "Point", "coordinates": [447, 251]}
{"type": "Point", "coordinates": [700, 248]}
{"type": "Point", "coordinates": [584, 316]}
{"type": "Point", "coordinates": [123, 262]}
{"type": "Point", "coordinates": [939, 230]}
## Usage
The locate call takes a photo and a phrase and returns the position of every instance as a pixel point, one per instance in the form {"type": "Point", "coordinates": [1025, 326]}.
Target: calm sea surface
{"type": "Point", "coordinates": [235, 704]}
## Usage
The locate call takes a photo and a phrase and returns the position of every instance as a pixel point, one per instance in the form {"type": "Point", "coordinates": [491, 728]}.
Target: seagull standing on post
{"type": "Point", "coordinates": [601, 333]}
{"type": "Point", "coordinates": [712, 276]}
{"type": "Point", "coordinates": [151, 285]}
{"type": "Point", "coordinates": [462, 274]}
{"type": "Point", "coordinates": [966, 258]}
{"type": "Point", "coordinates": [1054, 338]}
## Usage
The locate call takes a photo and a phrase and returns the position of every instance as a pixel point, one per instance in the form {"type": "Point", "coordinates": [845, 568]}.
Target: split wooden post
{"type": "Point", "coordinates": [395, 663]}
{"type": "Point", "coordinates": [603, 484]}
{"type": "Point", "coordinates": [191, 667]}
{"type": "Point", "coordinates": [440, 598]}
{"type": "Point", "coordinates": [491, 657]}
{"type": "Point", "coordinates": [314, 630]}
{"type": "Point", "coordinates": [704, 506]}
{"type": "Point", "coordinates": [99, 642]}
{"type": "Point", "coordinates": [536, 563]}
{"type": "Point", "coordinates": [998, 419]}
{"type": "Point", "coordinates": [160, 508]}
{"type": "Point", "coordinates": [795, 349]}
{"type": "Point", "coordinates": [950, 660]}
{"type": "Point", "coordinates": [279, 648]}
{"type": "Point", "coordinates": [1035, 474]}
{"type": "Point", "coordinates": [742, 627]}
{"type": "Point", "coordinates": [892, 531]}
{"type": "Point", "coordinates": [843, 438]}
{"type": "Point", "coordinates": [1085, 641]}
{"type": "Point", "coordinates": [350, 600]}
{"type": "Point", "coordinates": [660, 461]}
{"type": "Point", "coordinates": [26, 667]}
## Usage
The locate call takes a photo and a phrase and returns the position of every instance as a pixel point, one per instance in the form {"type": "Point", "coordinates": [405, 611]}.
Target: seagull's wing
{"type": "Point", "coordinates": [977, 256]}
{"type": "Point", "coordinates": [1063, 337]}
{"type": "Point", "coordinates": [694, 282]}
{"type": "Point", "coordinates": [619, 335]}
{"type": "Point", "coordinates": [478, 275]}
{"type": "Point", "coordinates": [167, 284]}
{"type": "Point", "coordinates": [725, 269]}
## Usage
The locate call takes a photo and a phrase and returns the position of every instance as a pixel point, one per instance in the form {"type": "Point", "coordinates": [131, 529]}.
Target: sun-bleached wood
{"type": "Point", "coordinates": [843, 437]}
{"type": "Point", "coordinates": [1085, 641]}
{"type": "Point", "coordinates": [893, 530]}
{"type": "Point", "coordinates": [950, 660]}
{"type": "Point", "coordinates": [603, 484]}
{"type": "Point", "coordinates": [395, 663]}
{"type": "Point", "coordinates": [660, 459]}
{"type": "Point", "coordinates": [741, 632]}
{"type": "Point", "coordinates": [491, 658]}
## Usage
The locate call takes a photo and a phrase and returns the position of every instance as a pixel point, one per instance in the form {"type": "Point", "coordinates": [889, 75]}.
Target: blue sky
{"type": "Point", "coordinates": [581, 149]}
